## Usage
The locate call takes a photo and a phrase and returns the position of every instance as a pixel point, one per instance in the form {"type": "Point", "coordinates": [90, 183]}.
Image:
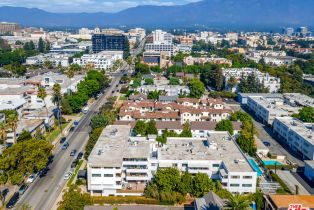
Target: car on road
{"type": "Point", "coordinates": [85, 110]}
{"type": "Point", "coordinates": [65, 146]}
{"type": "Point", "coordinates": [13, 200]}
{"type": "Point", "coordinates": [73, 152]}
{"type": "Point", "coordinates": [23, 188]}
{"type": "Point", "coordinates": [32, 178]}
{"type": "Point", "coordinates": [74, 163]}
{"type": "Point", "coordinates": [68, 175]}
{"type": "Point", "coordinates": [62, 140]}
{"type": "Point", "coordinates": [266, 143]}
{"type": "Point", "coordinates": [79, 155]}
{"type": "Point", "coordinates": [43, 172]}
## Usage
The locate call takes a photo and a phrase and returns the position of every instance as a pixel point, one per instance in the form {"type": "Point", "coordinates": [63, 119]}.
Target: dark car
{"type": "Point", "coordinates": [62, 140]}
{"type": "Point", "coordinates": [13, 200]}
{"type": "Point", "coordinates": [79, 155]}
{"type": "Point", "coordinates": [43, 172]}
{"type": "Point", "coordinates": [74, 163]}
{"type": "Point", "coordinates": [266, 143]}
{"type": "Point", "coordinates": [73, 152]}
{"type": "Point", "coordinates": [72, 129]}
{"type": "Point", "coordinates": [23, 188]}
{"type": "Point", "coordinates": [65, 146]}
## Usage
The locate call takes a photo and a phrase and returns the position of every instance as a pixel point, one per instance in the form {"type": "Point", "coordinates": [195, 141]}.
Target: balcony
{"type": "Point", "coordinates": [137, 170]}
{"type": "Point", "coordinates": [137, 178]}
{"type": "Point", "coordinates": [132, 163]}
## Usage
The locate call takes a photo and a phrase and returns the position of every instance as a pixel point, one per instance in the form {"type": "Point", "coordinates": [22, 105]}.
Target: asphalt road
{"type": "Point", "coordinates": [43, 193]}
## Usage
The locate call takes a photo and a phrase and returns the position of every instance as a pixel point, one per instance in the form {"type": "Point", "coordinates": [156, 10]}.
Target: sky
{"type": "Point", "coordinates": [88, 5]}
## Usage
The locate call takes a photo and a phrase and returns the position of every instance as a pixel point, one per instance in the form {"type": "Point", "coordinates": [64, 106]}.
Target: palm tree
{"type": "Point", "coordinates": [12, 123]}
{"type": "Point", "coordinates": [70, 74]}
{"type": "Point", "coordinates": [3, 131]}
{"type": "Point", "coordinates": [42, 95]}
{"type": "Point", "coordinates": [56, 98]}
{"type": "Point", "coordinates": [237, 202]}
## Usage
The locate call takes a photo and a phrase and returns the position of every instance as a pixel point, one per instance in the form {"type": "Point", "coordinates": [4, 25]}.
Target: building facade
{"type": "Point", "coordinates": [113, 42]}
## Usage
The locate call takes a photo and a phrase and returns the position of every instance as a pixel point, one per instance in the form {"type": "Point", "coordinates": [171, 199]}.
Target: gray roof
{"type": "Point", "coordinates": [168, 98]}
{"type": "Point", "coordinates": [210, 201]}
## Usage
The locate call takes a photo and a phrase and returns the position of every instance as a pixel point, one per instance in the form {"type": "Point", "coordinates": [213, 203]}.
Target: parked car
{"type": "Point", "coordinates": [23, 188]}
{"type": "Point", "coordinates": [43, 172]}
{"type": "Point", "coordinates": [68, 175]}
{"type": "Point", "coordinates": [62, 140]}
{"type": "Point", "coordinates": [79, 155]}
{"type": "Point", "coordinates": [73, 152]}
{"type": "Point", "coordinates": [266, 143]}
{"type": "Point", "coordinates": [13, 200]}
{"type": "Point", "coordinates": [32, 178]}
{"type": "Point", "coordinates": [65, 146]}
{"type": "Point", "coordinates": [74, 163]}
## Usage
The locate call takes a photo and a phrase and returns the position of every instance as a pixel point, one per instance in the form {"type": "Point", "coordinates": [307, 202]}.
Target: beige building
{"type": "Point", "coordinates": [8, 27]}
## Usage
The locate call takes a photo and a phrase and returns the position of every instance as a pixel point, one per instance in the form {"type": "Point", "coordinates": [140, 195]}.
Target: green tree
{"type": "Point", "coordinates": [225, 125]}
{"type": "Point", "coordinates": [136, 83]}
{"type": "Point", "coordinates": [186, 184]}
{"type": "Point", "coordinates": [24, 157]}
{"type": "Point", "coordinates": [217, 78]}
{"type": "Point", "coordinates": [77, 100]}
{"type": "Point", "coordinates": [174, 81]}
{"type": "Point", "coordinates": [89, 87]}
{"type": "Point", "coordinates": [126, 49]}
{"type": "Point", "coordinates": [202, 184]}
{"type": "Point", "coordinates": [154, 94]}
{"type": "Point", "coordinates": [74, 199]}
{"type": "Point", "coordinates": [12, 122]}
{"type": "Point", "coordinates": [42, 95]}
{"type": "Point", "coordinates": [232, 82]}
{"type": "Point", "coordinates": [93, 138]}
{"type": "Point", "coordinates": [3, 131]}
{"type": "Point", "coordinates": [142, 68]}
{"type": "Point", "coordinates": [41, 45]}
{"type": "Point", "coordinates": [167, 179]}
{"type": "Point", "coordinates": [197, 88]}
{"type": "Point", "coordinates": [186, 131]}
{"type": "Point", "coordinates": [24, 136]}
{"type": "Point", "coordinates": [98, 121]}
{"type": "Point", "coordinates": [140, 127]}
{"type": "Point", "coordinates": [151, 128]}
{"type": "Point", "coordinates": [237, 202]}
{"type": "Point", "coordinates": [306, 114]}
{"type": "Point", "coordinates": [149, 81]}
{"type": "Point", "coordinates": [66, 107]}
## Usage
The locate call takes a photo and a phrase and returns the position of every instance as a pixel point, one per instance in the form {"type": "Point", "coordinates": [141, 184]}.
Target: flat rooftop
{"type": "Point", "coordinates": [303, 129]}
{"type": "Point", "coordinates": [113, 145]}
{"type": "Point", "coordinates": [217, 146]}
{"type": "Point", "coordinates": [300, 99]}
{"type": "Point", "coordinates": [283, 201]}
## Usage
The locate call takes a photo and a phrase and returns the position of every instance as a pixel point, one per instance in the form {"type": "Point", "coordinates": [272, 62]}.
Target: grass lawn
{"type": "Point", "coordinates": [123, 98]}
{"type": "Point", "coordinates": [55, 133]}
{"type": "Point", "coordinates": [75, 173]}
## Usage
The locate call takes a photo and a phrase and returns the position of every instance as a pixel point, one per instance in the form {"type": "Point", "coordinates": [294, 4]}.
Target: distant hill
{"type": "Point", "coordinates": [222, 13]}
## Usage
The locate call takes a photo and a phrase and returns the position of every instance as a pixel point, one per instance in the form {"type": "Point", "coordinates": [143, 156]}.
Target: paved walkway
{"type": "Point", "coordinates": [291, 182]}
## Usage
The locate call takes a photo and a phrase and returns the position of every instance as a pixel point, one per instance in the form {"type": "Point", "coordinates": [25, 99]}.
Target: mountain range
{"type": "Point", "coordinates": [215, 13]}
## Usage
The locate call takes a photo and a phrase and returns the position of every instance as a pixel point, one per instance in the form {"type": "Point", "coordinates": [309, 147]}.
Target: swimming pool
{"type": "Point", "coordinates": [255, 167]}
{"type": "Point", "coordinates": [271, 162]}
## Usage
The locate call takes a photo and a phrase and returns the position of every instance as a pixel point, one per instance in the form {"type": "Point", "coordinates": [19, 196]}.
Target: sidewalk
{"type": "Point", "coordinates": [291, 182]}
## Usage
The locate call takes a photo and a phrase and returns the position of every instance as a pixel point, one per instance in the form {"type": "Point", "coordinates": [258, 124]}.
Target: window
{"type": "Point", "coordinates": [96, 175]}
{"type": "Point", "coordinates": [235, 177]}
{"type": "Point", "coordinates": [108, 175]}
{"type": "Point", "coordinates": [246, 185]}
{"type": "Point", "coordinates": [216, 165]}
{"type": "Point", "coordinates": [247, 177]}
{"type": "Point", "coordinates": [234, 185]}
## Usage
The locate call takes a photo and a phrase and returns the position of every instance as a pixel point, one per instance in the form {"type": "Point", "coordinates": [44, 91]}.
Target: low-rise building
{"type": "Point", "coordinates": [169, 49]}
{"type": "Point", "coordinates": [103, 60]}
{"type": "Point", "coordinates": [309, 170]}
{"type": "Point", "coordinates": [54, 58]}
{"type": "Point", "coordinates": [169, 90]}
{"type": "Point", "coordinates": [283, 202]}
{"type": "Point", "coordinates": [155, 59]}
{"type": "Point", "coordinates": [119, 162]}
{"type": "Point", "coordinates": [268, 81]}
{"type": "Point", "coordinates": [202, 60]}
{"type": "Point", "coordinates": [298, 136]}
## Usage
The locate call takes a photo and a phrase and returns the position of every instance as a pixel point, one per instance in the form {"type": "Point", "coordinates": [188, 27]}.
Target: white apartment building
{"type": "Point", "coordinates": [119, 161]}
{"type": "Point", "coordinates": [162, 37]}
{"type": "Point", "coordinates": [139, 33]}
{"type": "Point", "coordinates": [202, 60]}
{"type": "Point", "coordinates": [270, 82]}
{"type": "Point", "coordinates": [55, 59]}
{"type": "Point", "coordinates": [297, 135]}
{"type": "Point", "coordinates": [166, 48]}
{"type": "Point", "coordinates": [103, 60]}
{"type": "Point", "coordinates": [169, 90]}
{"type": "Point", "coordinates": [269, 108]}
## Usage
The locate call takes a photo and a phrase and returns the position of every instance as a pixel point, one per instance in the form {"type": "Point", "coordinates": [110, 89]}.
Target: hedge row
{"type": "Point", "coordinates": [282, 184]}
{"type": "Point", "coordinates": [125, 200]}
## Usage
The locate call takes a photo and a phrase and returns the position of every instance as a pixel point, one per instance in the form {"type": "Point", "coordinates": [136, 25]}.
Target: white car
{"type": "Point", "coordinates": [31, 178]}
{"type": "Point", "coordinates": [68, 175]}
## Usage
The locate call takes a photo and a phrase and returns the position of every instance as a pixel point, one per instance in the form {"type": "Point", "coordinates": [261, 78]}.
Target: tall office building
{"type": "Point", "coordinates": [288, 31]}
{"type": "Point", "coordinates": [110, 42]}
{"type": "Point", "coordinates": [162, 37]}
{"type": "Point", "coordinates": [9, 28]}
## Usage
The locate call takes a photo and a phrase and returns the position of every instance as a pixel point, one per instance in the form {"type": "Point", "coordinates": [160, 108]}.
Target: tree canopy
{"type": "Point", "coordinates": [197, 88]}
{"type": "Point", "coordinates": [225, 125]}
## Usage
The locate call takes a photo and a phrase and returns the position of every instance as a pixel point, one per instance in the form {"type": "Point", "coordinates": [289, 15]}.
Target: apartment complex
{"type": "Point", "coordinates": [103, 60]}
{"type": "Point", "coordinates": [169, 90]}
{"type": "Point", "coordinates": [8, 28]}
{"type": "Point", "coordinates": [109, 42]}
{"type": "Point", "coordinates": [183, 110]}
{"type": "Point", "coordinates": [54, 58]}
{"type": "Point", "coordinates": [268, 81]}
{"type": "Point", "coordinates": [119, 161]}
{"type": "Point", "coordinates": [268, 108]}
{"type": "Point", "coordinates": [202, 60]}
{"type": "Point", "coordinates": [299, 136]}
{"type": "Point", "coordinates": [166, 48]}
